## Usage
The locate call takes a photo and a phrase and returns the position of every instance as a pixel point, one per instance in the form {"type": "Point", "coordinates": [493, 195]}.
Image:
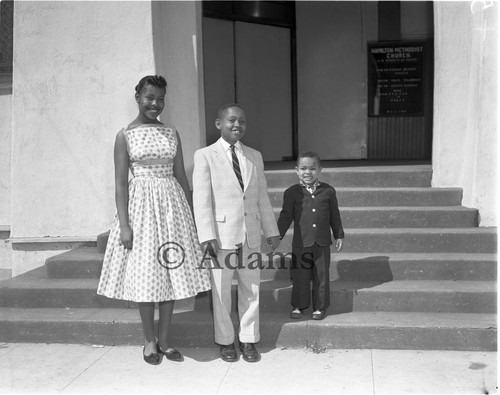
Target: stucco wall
{"type": "Point", "coordinates": [75, 68]}
{"type": "Point", "coordinates": [5, 146]}
{"type": "Point", "coordinates": [178, 56]}
{"type": "Point", "coordinates": [465, 103]}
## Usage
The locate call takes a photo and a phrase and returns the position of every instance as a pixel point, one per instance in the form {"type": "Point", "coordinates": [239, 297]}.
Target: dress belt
{"type": "Point", "coordinates": [158, 161]}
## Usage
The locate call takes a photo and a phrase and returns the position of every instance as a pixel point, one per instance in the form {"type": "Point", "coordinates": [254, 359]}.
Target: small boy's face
{"type": "Point", "coordinates": [308, 170]}
{"type": "Point", "coordinates": [232, 126]}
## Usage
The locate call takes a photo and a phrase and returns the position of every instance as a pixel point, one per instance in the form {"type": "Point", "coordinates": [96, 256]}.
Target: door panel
{"type": "Point", "coordinates": [263, 87]}
{"type": "Point", "coordinates": [250, 64]}
{"type": "Point", "coordinates": [218, 66]}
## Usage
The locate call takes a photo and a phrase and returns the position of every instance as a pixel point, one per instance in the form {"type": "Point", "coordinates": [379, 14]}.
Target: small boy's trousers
{"type": "Point", "coordinates": [312, 263]}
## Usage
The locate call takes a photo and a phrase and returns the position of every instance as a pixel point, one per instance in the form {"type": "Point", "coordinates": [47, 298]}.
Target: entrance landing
{"type": "Point", "coordinates": [326, 164]}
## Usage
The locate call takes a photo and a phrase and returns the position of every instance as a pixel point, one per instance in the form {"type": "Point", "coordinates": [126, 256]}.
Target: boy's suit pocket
{"type": "Point", "coordinates": [220, 217]}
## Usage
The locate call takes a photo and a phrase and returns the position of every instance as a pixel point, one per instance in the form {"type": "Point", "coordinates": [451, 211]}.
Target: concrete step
{"type": "Point", "coordinates": [409, 240]}
{"type": "Point", "coordinates": [395, 296]}
{"type": "Point", "coordinates": [383, 176]}
{"type": "Point", "coordinates": [356, 330]}
{"type": "Point", "coordinates": [379, 197]}
{"type": "Point", "coordinates": [383, 267]}
{"type": "Point", "coordinates": [426, 240]}
{"type": "Point", "coordinates": [86, 262]}
{"type": "Point", "coordinates": [35, 290]}
{"type": "Point", "coordinates": [406, 217]}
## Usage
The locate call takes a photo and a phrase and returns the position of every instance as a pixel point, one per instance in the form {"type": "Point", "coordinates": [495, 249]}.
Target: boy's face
{"type": "Point", "coordinates": [232, 126]}
{"type": "Point", "coordinates": [308, 170]}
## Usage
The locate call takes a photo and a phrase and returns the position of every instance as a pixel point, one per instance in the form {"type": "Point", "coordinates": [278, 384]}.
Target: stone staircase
{"type": "Point", "coordinates": [416, 272]}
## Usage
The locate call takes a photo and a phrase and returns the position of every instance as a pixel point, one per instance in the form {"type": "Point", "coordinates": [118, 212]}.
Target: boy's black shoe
{"type": "Point", "coordinates": [319, 314]}
{"type": "Point", "coordinates": [249, 352]}
{"type": "Point", "coordinates": [296, 313]}
{"type": "Point", "coordinates": [228, 353]}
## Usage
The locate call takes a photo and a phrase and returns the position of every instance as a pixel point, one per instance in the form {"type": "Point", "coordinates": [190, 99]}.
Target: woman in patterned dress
{"type": "Point", "coordinates": [153, 254]}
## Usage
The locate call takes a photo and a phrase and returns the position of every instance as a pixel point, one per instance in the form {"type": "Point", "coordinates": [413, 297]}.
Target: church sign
{"type": "Point", "coordinates": [396, 78]}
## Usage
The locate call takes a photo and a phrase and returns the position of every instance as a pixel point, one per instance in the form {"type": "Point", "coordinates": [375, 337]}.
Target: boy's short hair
{"type": "Point", "coordinates": [225, 107]}
{"type": "Point", "coordinates": [309, 154]}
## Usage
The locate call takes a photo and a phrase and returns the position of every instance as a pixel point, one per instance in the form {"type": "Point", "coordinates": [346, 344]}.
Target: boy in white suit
{"type": "Point", "coordinates": [231, 207]}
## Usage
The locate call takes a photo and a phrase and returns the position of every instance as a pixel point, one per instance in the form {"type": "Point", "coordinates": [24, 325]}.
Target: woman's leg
{"type": "Point", "coordinates": [147, 312]}
{"type": "Point", "coordinates": [166, 311]}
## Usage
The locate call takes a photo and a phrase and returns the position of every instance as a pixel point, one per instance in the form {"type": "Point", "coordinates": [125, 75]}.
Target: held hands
{"type": "Point", "coordinates": [273, 241]}
{"type": "Point", "coordinates": [338, 245]}
{"type": "Point", "coordinates": [126, 237]}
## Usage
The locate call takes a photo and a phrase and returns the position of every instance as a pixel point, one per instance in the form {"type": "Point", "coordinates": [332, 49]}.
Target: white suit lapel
{"type": "Point", "coordinates": [227, 166]}
{"type": "Point", "coordinates": [249, 166]}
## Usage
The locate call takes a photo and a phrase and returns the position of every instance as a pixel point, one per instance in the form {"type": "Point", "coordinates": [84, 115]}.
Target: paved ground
{"type": "Point", "coordinates": [63, 368]}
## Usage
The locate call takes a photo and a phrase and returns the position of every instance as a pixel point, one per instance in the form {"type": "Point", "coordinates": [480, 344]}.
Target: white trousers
{"type": "Point", "coordinates": [231, 262]}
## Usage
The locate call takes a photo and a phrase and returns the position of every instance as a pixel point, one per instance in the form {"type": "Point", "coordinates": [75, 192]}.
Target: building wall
{"type": "Point", "coordinates": [75, 68]}
{"type": "Point", "coordinates": [74, 81]}
{"type": "Point", "coordinates": [178, 56]}
{"type": "Point", "coordinates": [5, 185]}
{"type": "Point", "coordinates": [5, 147]}
{"type": "Point", "coordinates": [465, 103]}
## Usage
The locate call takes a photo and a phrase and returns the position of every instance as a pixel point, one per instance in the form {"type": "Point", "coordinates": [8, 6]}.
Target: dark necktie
{"type": "Point", "coordinates": [236, 167]}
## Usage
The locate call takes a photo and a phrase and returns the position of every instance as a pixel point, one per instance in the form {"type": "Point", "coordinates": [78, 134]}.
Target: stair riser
{"type": "Point", "coordinates": [381, 198]}
{"type": "Point", "coordinates": [200, 334]}
{"type": "Point", "coordinates": [346, 301]}
{"type": "Point", "coordinates": [367, 242]}
{"type": "Point", "coordinates": [411, 242]}
{"type": "Point", "coordinates": [73, 269]}
{"type": "Point", "coordinates": [342, 300]}
{"type": "Point", "coordinates": [376, 268]}
{"type": "Point", "coordinates": [365, 179]}
{"type": "Point", "coordinates": [383, 269]}
{"type": "Point", "coordinates": [398, 338]}
{"type": "Point", "coordinates": [373, 218]}
{"type": "Point", "coordinates": [59, 298]}
{"type": "Point", "coordinates": [70, 298]}
{"type": "Point", "coordinates": [472, 242]}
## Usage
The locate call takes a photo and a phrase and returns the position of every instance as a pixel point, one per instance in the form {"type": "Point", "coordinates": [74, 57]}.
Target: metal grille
{"type": "Point", "coordinates": [398, 138]}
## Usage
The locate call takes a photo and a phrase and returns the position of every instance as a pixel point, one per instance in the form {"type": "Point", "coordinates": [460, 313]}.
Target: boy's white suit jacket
{"type": "Point", "coordinates": [221, 207]}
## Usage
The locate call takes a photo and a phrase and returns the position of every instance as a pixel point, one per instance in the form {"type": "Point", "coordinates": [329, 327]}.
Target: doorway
{"type": "Point", "coordinates": [248, 51]}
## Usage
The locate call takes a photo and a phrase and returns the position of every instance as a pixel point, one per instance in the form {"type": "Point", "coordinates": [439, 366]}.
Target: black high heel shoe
{"type": "Point", "coordinates": [171, 353]}
{"type": "Point", "coordinates": [153, 358]}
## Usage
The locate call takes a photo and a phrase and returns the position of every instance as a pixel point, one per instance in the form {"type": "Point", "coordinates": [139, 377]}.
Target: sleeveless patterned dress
{"type": "Point", "coordinates": [165, 262]}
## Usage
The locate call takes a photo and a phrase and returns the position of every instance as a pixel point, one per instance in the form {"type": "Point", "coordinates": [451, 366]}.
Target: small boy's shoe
{"type": "Point", "coordinates": [319, 314]}
{"type": "Point", "coordinates": [296, 313]}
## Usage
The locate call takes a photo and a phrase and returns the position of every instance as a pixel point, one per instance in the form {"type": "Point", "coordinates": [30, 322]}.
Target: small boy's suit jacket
{"type": "Point", "coordinates": [312, 214]}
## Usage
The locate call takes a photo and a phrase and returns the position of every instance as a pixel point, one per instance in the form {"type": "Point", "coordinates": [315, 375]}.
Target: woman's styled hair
{"type": "Point", "coordinates": [154, 80]}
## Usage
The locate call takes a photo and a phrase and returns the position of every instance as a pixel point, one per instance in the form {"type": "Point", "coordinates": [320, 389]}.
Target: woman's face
{"type": "Point", "coordinates": [151, 101]}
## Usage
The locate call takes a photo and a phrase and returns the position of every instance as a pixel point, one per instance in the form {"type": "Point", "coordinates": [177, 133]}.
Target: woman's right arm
{"type": "Point", "coordinates": [121, 188]}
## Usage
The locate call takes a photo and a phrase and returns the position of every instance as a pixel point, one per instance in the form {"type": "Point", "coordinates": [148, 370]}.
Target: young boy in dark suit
{"type": "Point", "coordinates": [313, 208]}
